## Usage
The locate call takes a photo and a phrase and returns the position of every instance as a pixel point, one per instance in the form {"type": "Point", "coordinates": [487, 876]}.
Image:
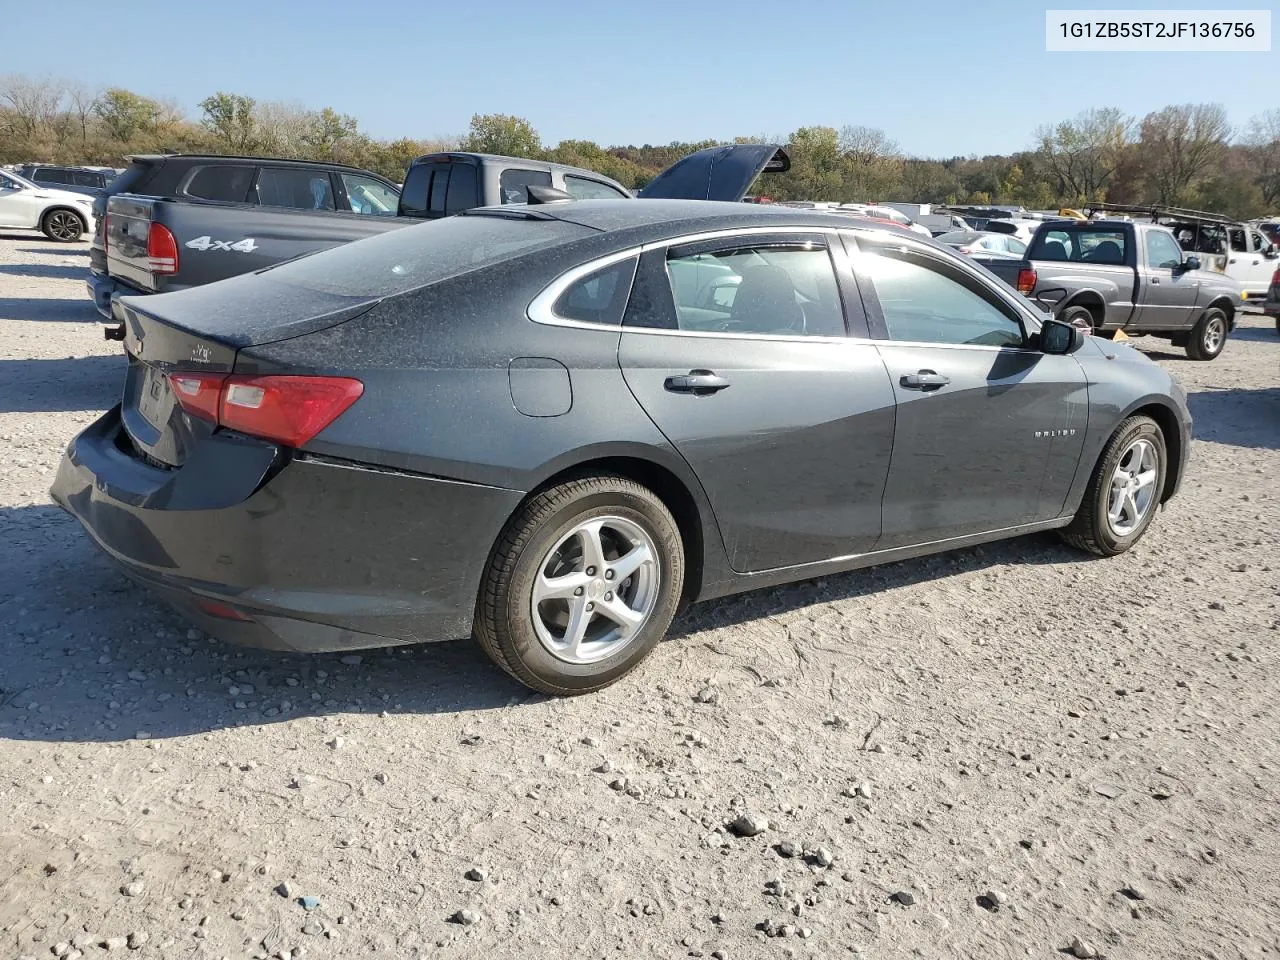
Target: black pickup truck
{"type": "Point", "coordinates": [1110, 275]}
{"type": "Point", "coordinates": [265, 212]}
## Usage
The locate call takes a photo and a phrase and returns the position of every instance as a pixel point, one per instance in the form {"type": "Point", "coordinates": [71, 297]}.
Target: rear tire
{"type": "Point", "coordinates": [1123, 492]}
{"type": "Point", "coordinates": [562, 623]}
{"type": "Point", "coordinates": [1208, 336]}
{"type": "Point", "coordinates": [62, 226]}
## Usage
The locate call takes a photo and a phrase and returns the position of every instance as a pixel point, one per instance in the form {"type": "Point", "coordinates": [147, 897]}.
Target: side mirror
{"type": "Point", "coordinates": [1191, 263]}
{"type": "Point", "coordinates": [1059, 338]}
{"type": "Point", "coordinates": [1271, 253]}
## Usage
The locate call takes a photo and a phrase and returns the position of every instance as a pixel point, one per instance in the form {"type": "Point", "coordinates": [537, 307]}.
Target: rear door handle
{"type": "Point", "coordinates": [698, 382]}
{"type": "Point", "coordinates": [1155, 281]}
{"type": "Point", "coordinates": [924, 380]}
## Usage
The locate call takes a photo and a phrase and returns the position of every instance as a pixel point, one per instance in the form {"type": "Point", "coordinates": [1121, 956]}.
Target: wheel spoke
{"type": "Point", "coordinates": [1130, 506]}
{"type": "Point", "coordinates": [1146, 478]}
{"type": "Point", "coordinates": [579, 618]}
{"type": "Point", "coordinates": [630, 562]}
{"type": "Point", "coordinates": [592, 547]}
{"type": "Point", "coordinates": [1116, 511]}
{"type": "Point", "coordinates": [557, 588]}
{"type": "Point", "coordinates": [628, 620]}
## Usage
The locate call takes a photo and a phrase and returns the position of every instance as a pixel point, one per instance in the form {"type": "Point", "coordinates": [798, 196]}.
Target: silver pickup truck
{"type": "Point", "coordinates": [1120, 275]}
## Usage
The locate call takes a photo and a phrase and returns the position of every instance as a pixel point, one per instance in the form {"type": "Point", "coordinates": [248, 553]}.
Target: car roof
{"type": "Point", "coordinates": [268, 161]}
{"type": "Point", "coordinates": [513, 162]}
{"type": "Point", "coordinates": [677, 216]}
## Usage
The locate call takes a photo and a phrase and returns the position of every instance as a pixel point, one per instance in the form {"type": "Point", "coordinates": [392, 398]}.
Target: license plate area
{"type": "Point", "coordinates": [147, 410]}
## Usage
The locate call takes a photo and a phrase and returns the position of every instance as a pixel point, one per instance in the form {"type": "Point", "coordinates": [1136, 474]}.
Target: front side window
{"type": "Point", "coordinates": [369, 197]}
{"type": "Point", "coordinates": [583, 189]}
{"type": "Point", "coordinates": [927, 301]}
{"type": "Point", "coordinates": [1260, 243]}
{"type": "Point", "coordinates": [1238, 244]}
{"type": "Point", "coordinates": [776, 288]}
{"type": "Point", "coordinates": [1162, 250]}
{"type": "Point", "coordinates": [514, 183]}
{"type": "Point", "coordinates": [223, 183]}
{"type": "Point", "coordinates": [295, 188]}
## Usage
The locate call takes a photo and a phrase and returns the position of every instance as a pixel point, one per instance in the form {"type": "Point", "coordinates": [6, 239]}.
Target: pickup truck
{"type": "Point", "coordinates": [214, 193]}
{"type": "Point", "coordinates": [1120, 275]}
{"type": "Point", "coordinates": [164, 244]}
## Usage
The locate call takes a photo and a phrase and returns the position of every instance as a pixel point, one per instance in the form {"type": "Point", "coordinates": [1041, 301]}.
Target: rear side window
{"type": "Point", "coordinates": [599, 297]}
{"type": "Point", "coordinates": [84, 178]}
{"type": "Point", "coordinates": [53, 175]}
{"type": "Point", "coordinates": [514, 184]}
{"type": "Point", "coordinates": [414, 256]}
{"type": "Point", "coordinates": [434, 190]}
{"type": "Point", "coordinates": [295, 188]}
{"type": "Point", "coordinates": [1101, 246]}
{"type": "Point", "coordinates": [225, 183]}
{"type": "Point", "coordinates": [584, 189]}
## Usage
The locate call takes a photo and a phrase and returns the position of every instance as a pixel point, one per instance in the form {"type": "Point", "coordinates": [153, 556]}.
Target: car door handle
{"type": "Point", "coordinates": [924, 380]}
{"type": "Point", "coordinates": [698, 382]}
{"type": "Point", "coordinates": [1155, 281]}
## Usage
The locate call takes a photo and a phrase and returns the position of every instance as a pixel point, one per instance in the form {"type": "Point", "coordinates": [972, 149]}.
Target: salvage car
{"type": "Point", "coordinates": [61, 215]}
{"type": "Point", "coordinates": [553, 425]}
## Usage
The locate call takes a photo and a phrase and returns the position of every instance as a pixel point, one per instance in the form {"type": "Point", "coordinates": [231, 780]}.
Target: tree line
{"type": "Point", "coordinates": [1185, 154]}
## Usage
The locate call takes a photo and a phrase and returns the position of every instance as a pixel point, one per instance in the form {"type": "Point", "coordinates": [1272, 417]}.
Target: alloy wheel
{"type": "Point", "coordinates": [595, 589]}
{"type": "Point", "coordinates": [64, 226]}
{"type": "Point", "coordinates": [1133, 487]}
{"type": "Point", "coordinates": [1215, 332]}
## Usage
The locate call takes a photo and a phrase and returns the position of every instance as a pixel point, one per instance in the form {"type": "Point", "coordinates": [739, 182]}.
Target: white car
{"type": "Point", "coordinates": [1024, 230]}
{"type": "Point", "coordinates": [60, 215]}
{"type": "Point", "coordinates": [887, 213]}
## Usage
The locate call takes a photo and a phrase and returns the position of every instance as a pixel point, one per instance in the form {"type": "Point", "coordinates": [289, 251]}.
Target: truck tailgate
{"type": "Point", "coordinates": [157, 245]}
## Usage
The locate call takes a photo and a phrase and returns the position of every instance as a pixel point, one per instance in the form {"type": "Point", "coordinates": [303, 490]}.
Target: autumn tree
{"type": "Point", "coordinates": [1262, 143]}
{"type": "Point", "coordinates": [1180, 144]}
{"type": "Point", "coordinates": [230, 118]}
{"type": "Point", "coordinates": [1084, 152]}
{"type": "Point", "coordinates": [502, 134]}
{"type": "Point", "coordinates": [126, 114]}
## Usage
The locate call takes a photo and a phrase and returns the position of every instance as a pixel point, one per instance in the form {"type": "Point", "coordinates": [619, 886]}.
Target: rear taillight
{"type": "Point", "coordinates": [965, 249]}
{"type": "Point", "coordinates": [199, 393]}
{"type": "Point", "coordinates": [162, 250]}
{"type": "Point", "coordinates": [1026, 281]}
{"type": "Point", "coordinates": [287, 410]}
{"type": "Point", "coordinates": [1275, 277]}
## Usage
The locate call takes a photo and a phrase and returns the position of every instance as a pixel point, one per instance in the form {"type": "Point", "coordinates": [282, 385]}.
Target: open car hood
{"type": "Point", "coordinates": [717, 173]}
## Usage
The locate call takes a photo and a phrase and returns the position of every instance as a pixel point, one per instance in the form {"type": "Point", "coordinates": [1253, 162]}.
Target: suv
{"type": "Point", "coordinates": [76, 179]}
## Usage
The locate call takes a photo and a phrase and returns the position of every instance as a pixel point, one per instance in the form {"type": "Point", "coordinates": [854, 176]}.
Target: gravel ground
{"type": "Point", "coordinates": [988, 754]}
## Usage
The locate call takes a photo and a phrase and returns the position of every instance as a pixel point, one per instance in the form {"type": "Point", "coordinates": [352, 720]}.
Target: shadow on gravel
{"type": "Point", "coordinates": [62, 250]}
{"type": "Point", "coordinates": [1267, 334]}
{"type": "Point", "coordinates": [1042, 548]}
{"type": "Point", "coordinates": [75, 383]}
{"type": "Point", "coordinates": [50, 270]}
{"type": "Point", "coordinates": [89, 656]}
{"type": "Point", "coordinates": [1241, 418]}
{"type": "Point", "coordinates": [59, 310]}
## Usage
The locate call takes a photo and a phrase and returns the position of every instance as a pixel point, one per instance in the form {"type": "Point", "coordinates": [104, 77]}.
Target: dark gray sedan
{"type": "Point", "coordinates": [551, 426]}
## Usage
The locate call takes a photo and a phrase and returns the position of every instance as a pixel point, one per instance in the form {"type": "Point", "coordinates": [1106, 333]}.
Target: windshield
{"type": "Point", "coordinates": [414, 256]}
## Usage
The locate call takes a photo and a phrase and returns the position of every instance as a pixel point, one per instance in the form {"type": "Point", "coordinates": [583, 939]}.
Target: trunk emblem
{"type": "Point", "coordinates": [200, 353]}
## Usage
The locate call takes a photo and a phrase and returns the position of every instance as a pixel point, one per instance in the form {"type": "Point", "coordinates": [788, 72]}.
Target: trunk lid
{"type": "Point", "coordinates": [202, 331]}
{"type": "Point", "coordinates": [717, 173]}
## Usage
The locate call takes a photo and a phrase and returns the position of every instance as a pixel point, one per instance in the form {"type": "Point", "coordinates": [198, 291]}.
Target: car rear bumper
{"type": "Point", "coordinates": [266, 548]}
{"type": "Point", "coordinates": [1271, 305]}
{"type": "Point", "coordinates": [100, 289]}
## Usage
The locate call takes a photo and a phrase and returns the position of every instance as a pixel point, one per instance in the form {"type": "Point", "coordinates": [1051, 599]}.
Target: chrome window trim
{"type": "Point", "coordinates": [540, 308]}
{"type": "Point", "coordinates": [1026, 313]}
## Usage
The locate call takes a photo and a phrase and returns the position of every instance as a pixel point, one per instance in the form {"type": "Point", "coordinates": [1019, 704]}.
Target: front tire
{"type": "Point", "coordinates": [1123, 492]}
{"type": "Point", "coordinates": [582, 583]}
{"type": "Point", "coordinates": [1208, 336]}
{"type": "Point", "coordinates": [1078, 316]}
{"type": "Point", "coordinates": [62, 226]}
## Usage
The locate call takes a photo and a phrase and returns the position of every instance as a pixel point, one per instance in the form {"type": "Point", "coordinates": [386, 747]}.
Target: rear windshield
{"type": "Point", "coordinates": [1087, 245]}
{"type": "Point", "coordinates": [424, 253]}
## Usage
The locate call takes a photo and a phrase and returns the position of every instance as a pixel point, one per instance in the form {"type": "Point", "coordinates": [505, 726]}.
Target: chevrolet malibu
{"type": "Point", "coordinates": [551, 426]}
